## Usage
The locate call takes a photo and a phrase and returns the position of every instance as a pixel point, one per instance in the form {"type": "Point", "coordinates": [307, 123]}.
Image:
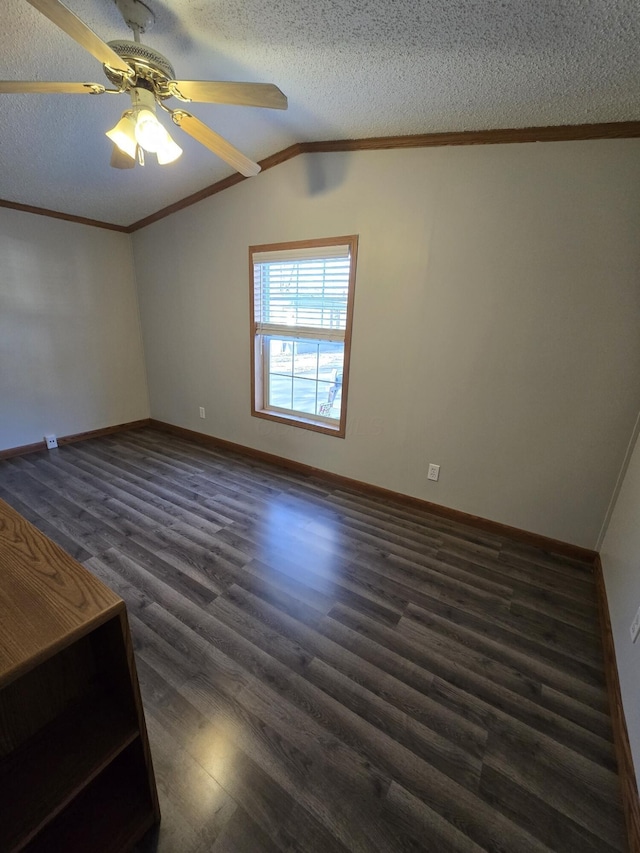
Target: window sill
{"type": "Point", "coordinates": [337, 431]}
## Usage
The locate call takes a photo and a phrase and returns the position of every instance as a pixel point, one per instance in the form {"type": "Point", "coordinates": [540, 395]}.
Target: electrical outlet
{"type": "Point", "coordinates": [202, 411]}
{"type": "Point", "coordinates": [434, 472]}
{"type": "Point", "coordinates": [52, 441]}
{"type": "Point", "coordinates": [635, 627]}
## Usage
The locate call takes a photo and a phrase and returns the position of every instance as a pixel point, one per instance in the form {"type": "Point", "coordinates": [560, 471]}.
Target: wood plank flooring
{"type": "Point", "coordinates": [324, 671]}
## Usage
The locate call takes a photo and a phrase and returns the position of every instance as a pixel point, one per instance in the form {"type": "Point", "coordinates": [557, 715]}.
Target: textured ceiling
{"type": "Point", "coordinates": [350, 68]}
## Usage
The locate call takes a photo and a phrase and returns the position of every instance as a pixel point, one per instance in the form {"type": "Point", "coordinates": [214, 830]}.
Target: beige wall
{"type": "Point", "coordinates": [620, 556]}
{"type": "Point", "coordinates": [495, 329]}
{"type": "Point", "coordinates": [70, 346]}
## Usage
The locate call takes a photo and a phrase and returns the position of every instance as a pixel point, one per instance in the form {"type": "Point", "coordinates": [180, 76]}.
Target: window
{"type": "Point", "coordinates": [302, 305]}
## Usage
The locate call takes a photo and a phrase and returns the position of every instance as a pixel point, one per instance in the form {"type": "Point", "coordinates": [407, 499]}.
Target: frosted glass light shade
{"type": "Point", "coordinates": [123, 135]}
{"type": "Point", "coordinates": [169, 152]}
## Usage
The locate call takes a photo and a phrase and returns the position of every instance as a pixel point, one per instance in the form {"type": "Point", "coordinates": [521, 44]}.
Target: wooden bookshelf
{"type": "Point", "coordinates": [75, 766]}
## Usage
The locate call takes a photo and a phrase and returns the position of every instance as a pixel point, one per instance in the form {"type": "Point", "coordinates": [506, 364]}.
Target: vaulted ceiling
{"type": "Point", "coordinates": [350, 68]}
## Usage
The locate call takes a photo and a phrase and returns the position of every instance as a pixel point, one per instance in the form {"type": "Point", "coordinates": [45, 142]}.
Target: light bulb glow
{"type": "Point", "coordinates": [149, 133]}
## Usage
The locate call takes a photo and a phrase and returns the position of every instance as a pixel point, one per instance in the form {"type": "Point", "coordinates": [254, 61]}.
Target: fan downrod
{"type": "Point", "coordinates": [137, 16]}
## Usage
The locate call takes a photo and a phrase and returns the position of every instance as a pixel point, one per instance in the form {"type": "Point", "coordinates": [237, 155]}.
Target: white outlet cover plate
{"type": "Point", "coordinates": [434, 472]}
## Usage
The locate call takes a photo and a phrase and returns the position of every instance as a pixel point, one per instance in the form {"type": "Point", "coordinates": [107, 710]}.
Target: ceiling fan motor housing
{"type": "Point", "coordinates": [148, 65]}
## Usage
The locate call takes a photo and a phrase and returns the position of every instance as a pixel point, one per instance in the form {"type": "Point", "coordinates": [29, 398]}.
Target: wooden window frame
{"type": "Point", "coordinates": [259, 363]}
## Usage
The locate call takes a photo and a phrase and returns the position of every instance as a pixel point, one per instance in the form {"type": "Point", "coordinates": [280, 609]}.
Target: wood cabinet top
{"type": "Point", "coordinates": [47, 599]}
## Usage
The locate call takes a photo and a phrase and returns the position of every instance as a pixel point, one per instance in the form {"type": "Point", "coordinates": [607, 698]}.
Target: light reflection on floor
{"type": "Point", "coordinates": [318, 555]}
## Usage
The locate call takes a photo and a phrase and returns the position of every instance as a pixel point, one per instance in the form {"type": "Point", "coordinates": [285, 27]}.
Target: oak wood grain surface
{"type": "Point", "coordinates": [325, 670]}
{"type": "Point", "coordinates": [45, 597]}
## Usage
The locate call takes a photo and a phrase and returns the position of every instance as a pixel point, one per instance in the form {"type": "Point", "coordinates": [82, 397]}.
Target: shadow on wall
{"type": "Point", "coordinates": [325, 173]}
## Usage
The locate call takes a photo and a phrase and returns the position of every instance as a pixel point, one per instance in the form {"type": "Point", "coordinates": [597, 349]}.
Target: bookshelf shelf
{"type": "Point", "coordinates": [75, 766]}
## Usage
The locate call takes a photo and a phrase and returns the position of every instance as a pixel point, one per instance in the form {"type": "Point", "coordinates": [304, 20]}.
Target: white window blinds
{"type": "Point", "coordinates": [302, 292]}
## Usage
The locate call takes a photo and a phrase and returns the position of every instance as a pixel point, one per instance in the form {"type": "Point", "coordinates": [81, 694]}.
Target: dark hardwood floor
{"type": "Point", "coordinates": [324, 671]}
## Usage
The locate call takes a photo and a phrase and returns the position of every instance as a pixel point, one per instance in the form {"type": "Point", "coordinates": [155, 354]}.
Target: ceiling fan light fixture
{"type": "Point", "coordinates": [124, 136]}
{"type": "Point", "coordinates": [149, 133]}
{"type": "Point", "coordinates": [148, 78]}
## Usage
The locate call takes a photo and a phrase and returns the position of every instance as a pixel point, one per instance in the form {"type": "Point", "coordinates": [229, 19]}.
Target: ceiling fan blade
{"type": "Point", "coordinates": [15, 87]}
{"type": "Point", "coordinates": [120, 159]}
{"type": "Point", "coordinates": [243, 94]}
{"type": "Point", "coordinates": [64, 18]}
{"type": "Point", "coordinates": [216, 143]}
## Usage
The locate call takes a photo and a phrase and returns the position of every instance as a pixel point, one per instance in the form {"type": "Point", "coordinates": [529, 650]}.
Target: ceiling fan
{"type": "Point", "coordinates": [149, 79]}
